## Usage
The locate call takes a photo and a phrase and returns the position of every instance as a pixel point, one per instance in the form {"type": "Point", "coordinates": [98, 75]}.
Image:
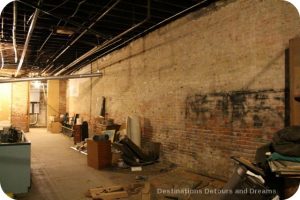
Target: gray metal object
{"type": "Point", "coordinates": [103, 45]}
{"type": "Point", "coordinates": [140, 34]}
{"type": "Point", "coordinates": [14, 31]}
{"type": "Point", "coordinates": [50, 78]}
{"type": "Point", "coordinates": [32, 25]}
{"type": "Point", "coordinates": [82, 33]}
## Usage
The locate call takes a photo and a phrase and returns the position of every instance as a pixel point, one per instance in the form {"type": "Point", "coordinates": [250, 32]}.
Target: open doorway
{"type": "Point", "coordinates": [38, 104]}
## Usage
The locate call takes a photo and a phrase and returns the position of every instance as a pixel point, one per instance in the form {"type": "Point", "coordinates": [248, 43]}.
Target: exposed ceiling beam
{"type": "Point", "coordinates": [30, 31]}
{"type": "Point", "coordinates": [64, 19]}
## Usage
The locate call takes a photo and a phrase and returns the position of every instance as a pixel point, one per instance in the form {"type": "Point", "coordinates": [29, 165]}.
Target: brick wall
{"type": "Point", "coordinates": [62, 96]}
{"type": "Point", "coordinates": [20, 106]}
{"type": "Point", "coordinates": [207, 86]}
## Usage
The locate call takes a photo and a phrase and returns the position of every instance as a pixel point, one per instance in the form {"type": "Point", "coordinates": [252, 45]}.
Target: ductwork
{"type": "Point", "coordinates": [29, 34]}
{"type": "Point", "coordinates": [98, 48]}
{"type": "Point", "coordinates": [14, 31]}
{"type": "Point", "coordinates": [82, 33]}
{"type": "Point", "coordinates": [142, 33]}
{"type": "Point", "coordinates": [50, 78]}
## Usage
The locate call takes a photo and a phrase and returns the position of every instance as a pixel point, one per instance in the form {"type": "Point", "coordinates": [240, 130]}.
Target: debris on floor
{"type": "Point", "coordinates": [114, 192]}
{"type": "Point", "coordinates": [133, 155]}
{"type": "Point", "coordinates": [80, 147]}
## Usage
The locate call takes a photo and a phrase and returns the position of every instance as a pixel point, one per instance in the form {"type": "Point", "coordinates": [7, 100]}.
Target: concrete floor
{"type": "Point", "coordinates": [60, 173]}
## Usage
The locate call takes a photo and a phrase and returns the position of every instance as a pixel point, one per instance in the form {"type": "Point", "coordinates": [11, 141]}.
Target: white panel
{"type": "Point", "coordinates": [34, 95]}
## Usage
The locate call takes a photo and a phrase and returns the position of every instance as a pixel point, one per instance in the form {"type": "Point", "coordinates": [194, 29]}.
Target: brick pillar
{"type": "Point", "coordinates": [20, 106]}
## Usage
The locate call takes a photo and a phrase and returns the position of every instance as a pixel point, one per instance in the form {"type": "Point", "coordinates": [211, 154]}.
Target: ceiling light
{"type": "Point", "coordinates": [64, 30]}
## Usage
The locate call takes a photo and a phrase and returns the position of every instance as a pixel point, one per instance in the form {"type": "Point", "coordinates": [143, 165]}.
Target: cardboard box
{"type": "Point", "coordinates": [55, 127]}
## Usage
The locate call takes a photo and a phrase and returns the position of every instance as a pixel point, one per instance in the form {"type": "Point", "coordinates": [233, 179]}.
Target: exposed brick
{"type": "Point", "coordinates": [20, 106]}
{"type": "Point", "coordinates": [207, 86]}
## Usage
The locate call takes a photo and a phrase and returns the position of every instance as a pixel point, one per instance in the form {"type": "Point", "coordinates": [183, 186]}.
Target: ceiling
{"type": "Point", "coordinates": [70, 33]}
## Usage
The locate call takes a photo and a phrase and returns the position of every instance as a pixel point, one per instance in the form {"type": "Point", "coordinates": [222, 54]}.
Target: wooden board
{"type": "Point", "coordinates": [294, 80]}
{"type": "Point", "coordinates": [106, 193]}
{"type": "Point", "coordinates": [109, 195]}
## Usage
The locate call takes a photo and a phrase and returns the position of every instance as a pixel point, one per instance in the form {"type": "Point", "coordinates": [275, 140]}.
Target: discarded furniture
{"type": "Point", "coordinates": [77, 133]}
{"type": "Point", "coordinates": [68, 124]}
{"type": "Point", "coordinates": [99, 154]}
{"type": "Point", "coordinates": [133, 155]}
{"type": "Point", "coordinates": [247, 183]}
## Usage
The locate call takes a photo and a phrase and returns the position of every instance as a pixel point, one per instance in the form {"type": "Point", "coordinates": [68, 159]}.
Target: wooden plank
{"type": "Point", "coordinates": [146, 192]}
{"type": "Point", "coordinates": [294, 78]}
{"type": "Point", "coordinates": [110, 195]}
{"type": "Point", "coordinates": [107, 192]}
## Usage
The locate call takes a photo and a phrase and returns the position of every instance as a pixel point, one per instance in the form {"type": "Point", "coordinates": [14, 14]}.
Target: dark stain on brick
{"type": "Point", "coordinates": [223, 104]}
{"type": "Point", "coordinates": [237, 100]}
{"type": "Point", "coordinates": [260, 96]}
{"type": "Point", "coordinates": [257, 122]}
{"type": "Point", "coordinates": [242, 107]}
{"type": "Point", "coordinates": [278, 98]}
{"type": "Point", "coordinates": [196, 104]}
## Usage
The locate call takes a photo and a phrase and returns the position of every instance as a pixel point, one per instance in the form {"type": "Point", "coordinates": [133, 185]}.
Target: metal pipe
{"type": "Point", "coordinates": [44, 43]}
{"type": "Point", "coordinates": [2, 58]}
{"type": "Point", "coordinates": [62, 18]}
{"type": "Point", "coordinates": [97, 48]}
{"type": "Point", "coordinates": [29, 34]}
{"type": "Point", "coordinates": [14, 31]}
{"type": "Point", "coordinates": [145, 31]}
{"type": "Point", "coordinates": [36, 119]}
{"type": "Point", "coordinates": [77, 8]}
{"type": "Point", "coordinates": [51, 78]}
{"type": "Point", "coordinates": [82, 33]}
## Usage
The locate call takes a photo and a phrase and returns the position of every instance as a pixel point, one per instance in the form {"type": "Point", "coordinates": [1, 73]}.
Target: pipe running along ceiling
{"type": "Point", "coordinates": [61, 36]}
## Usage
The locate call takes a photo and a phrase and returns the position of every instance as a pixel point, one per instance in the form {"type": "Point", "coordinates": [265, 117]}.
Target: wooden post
{"type": "Point", "coordinates": [294, 59]}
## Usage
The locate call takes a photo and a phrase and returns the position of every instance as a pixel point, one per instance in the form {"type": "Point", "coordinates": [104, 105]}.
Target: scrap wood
{"type": "Point", "coordinates": [110, 195]}
{"type": "Point", "coordinates": [146, 192]}
{"type": "Point", "coordinates": [113, 192]}
{"type": "Point", "coordinates": [135, 188]}
{"type": "Point", "coordinates": [106, 193]}
{"type": "Point", "coordinates": [107, 189]}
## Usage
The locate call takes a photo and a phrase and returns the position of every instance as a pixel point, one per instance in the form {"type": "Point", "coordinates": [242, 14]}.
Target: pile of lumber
{"type": "Point", "coordinates": [119, 192]}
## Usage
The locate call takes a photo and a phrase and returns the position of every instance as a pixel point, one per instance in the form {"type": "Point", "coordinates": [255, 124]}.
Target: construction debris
{"type": "Point", "coordinates": [133, 155]}
{"type": "Point", "coordinates": [107, 193]}
{"type": "Point", "coordinates": [114, 192]}
{"type": "Point", "coordinates": [80, 147]}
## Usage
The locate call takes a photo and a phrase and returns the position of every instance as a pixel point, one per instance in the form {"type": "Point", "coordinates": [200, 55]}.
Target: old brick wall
{"type": "Point", "coordinates": [79, 93]}
{"type": "Point", "coordinates": [207, 86]}
{"type": "Point", "coordinates": [62, 96]}
{"type": "Point", "coordinates": [20, 105]}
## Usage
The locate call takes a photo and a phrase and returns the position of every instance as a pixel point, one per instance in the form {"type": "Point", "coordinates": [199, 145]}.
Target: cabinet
{"type": "Point", "coordinates": [77, 133]}
{"type": "Point", "coordinates": [99, 154]}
